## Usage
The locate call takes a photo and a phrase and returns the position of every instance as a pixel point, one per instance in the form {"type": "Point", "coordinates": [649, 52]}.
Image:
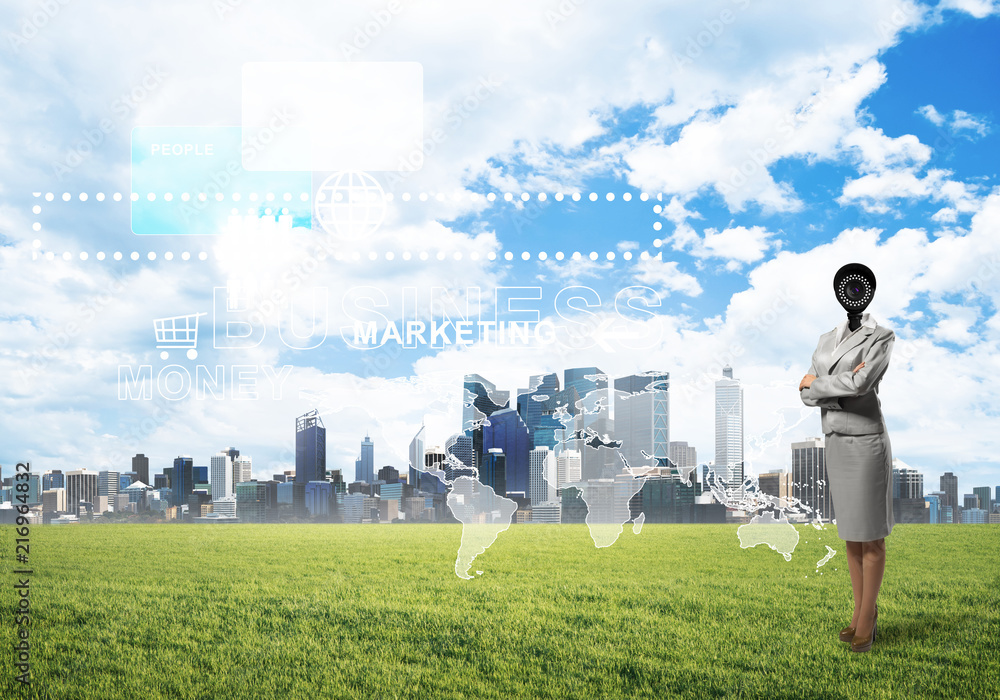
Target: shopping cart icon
{"type": "Point", "coordinates": [177, 333]}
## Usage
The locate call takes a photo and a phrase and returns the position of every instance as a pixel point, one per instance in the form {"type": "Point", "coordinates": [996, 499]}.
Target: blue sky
{"type": "Point", "coordinates": [869, 135]}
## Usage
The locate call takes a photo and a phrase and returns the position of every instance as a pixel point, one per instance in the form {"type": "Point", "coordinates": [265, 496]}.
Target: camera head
{"type": "Point", "coordinates": [854, 285]}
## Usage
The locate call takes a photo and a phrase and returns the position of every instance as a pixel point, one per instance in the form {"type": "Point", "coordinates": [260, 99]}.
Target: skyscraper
{"type": "Point", "coordinates": [683, 456]}
{"type": "Point", "coordinates": [949, 484]}
{"type": "Point", "coordinates": [908, 504]}
{"type": "Point", "coordinates": [251, 501]}
{"type": "Point", "coordinates": [729, 432]}
{"type": "Point", "coordinates": [140, 465]}
{"type": "Point", "coordinates": [776, 482]}
{"type": "Point", "coordinates": [540, 419]}
{"type": "Point", "coordinates": [460, 447]}
{"type": "Point", "coordinates": [310, 448]}
{"type": "Point", "coordinates": [364, 466]}
{"type": "Point", "coordinates": [907, 482]}
{"type": "Point", "coordinates": [568, 467]}
{"type": "Point", "coordinates": [221, 476]}
{"type": "Point", "coordinates": [542, 475]}
{"type": "Point", "coordinates": [81, 485]}
{"type": "Point", "coordinates": [242, 468]}
{"type": "Point", "coordinates": [417, 450]}
{"type": "Point", "coordinates": [481, 399]}
{"type": "Point", "coordinates": [53, 480]}
{"type": "Point", "coordinates": [588, 401]}
{"type": "Point", "coordinates": [598, 456]}
{"type": "Point", "coordinates": [417, 476]}
{"type": "Point", "coordinates": [508, 433]}
{"type": "Point", "coordinates": [434, 458]}
{"type": "Point", "coordinates": [108, 483]}
{"type": "Point", "coordinates": [933, 501]}
{"type": "Point", "coordinates": [984, 497]}
{"type": "Point", "coordinates": [34, 493]}
{"type": "Point", "coordinates": [182, 480]}
{"type": "Point", "coordinates": [493, 472]}
{"type": "Point", "coordinates": [388, 474]}
{"type": "Point", "coordinates": [591, 385]}
{"type": "Point", "coordinates": [319, 498]}
{"type": "Point", "coordinates": [664, 498]}
{"type": "Point", "coordinates": [809, 482]}
{"type": "Point", "coordinates": [642, 419]}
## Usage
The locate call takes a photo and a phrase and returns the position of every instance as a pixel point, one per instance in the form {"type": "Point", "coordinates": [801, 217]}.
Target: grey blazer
{"type": "Point", "coordinates": [849, 401]}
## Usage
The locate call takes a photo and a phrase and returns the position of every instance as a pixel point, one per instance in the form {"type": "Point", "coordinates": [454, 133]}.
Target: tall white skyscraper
{"type": "Point", "coordinates": [642, 419]}
{"type": "Point", "coordinates": [81, 485]}
{"type": "Point", "coordinates": [541, 475]}
{"type": "Point", "coordinates": [568, 466]}
{"type": "Point", "coordinates": [242, 469]}
{"type": "Point", "coordinates": [729, 432]}
{"type": "Point", "coordinates": [416, 465]}
{"type": "Point", "coordinates": [220, 475]}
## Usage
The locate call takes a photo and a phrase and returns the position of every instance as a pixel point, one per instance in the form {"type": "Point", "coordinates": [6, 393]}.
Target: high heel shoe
{"type": "Point", "coordinates": [864, 643]}
{"type": "Point", "coordinates": [847, 634]}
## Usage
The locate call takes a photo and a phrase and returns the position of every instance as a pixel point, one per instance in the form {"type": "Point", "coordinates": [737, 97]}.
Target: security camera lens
{"type": "Point", "coordinates": [855, 290]}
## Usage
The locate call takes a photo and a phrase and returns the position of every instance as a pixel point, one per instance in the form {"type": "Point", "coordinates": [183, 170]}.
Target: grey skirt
{"type": "Point", "coordinates": [859, 474]}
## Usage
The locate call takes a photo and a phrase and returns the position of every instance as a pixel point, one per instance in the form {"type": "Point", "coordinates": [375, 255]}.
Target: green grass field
{"type": "Point", "coordinates": [376, 611]}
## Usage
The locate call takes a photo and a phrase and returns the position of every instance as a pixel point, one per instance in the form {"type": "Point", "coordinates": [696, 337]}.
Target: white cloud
{"type": "Point", "coordinates": [737, 245]}
{"type": "Point", "coordinates": [875, 151]}
{"type": "Point", "coordinates": [957, 122]}
{"type": "Point", "coordinates": [666, 277]}
{"type": "Point", "coordinates": [572, 271]}
{"type": "Point", "coordinates": [945, 215]}
{"type": "Point", "coordinates": [805, 115]}
{"type": "Point", "coordinates": [963, 121]}
{"type": "Point", "coordinates": [876, 191]}
{"type": "Point", "coordinates": [956, 323]}
{"type": "Point", "coordinates": [976, 8]}
{"type": "Point", "coordinates": [932, 115]}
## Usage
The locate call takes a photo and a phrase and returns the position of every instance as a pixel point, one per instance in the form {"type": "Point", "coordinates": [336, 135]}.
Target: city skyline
{"type": "Point", "coordinates": [521, 451]}
{"type": "Point", "coordinates": [494, 394]}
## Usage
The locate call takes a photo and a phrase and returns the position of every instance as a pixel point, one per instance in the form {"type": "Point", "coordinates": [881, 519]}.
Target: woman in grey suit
{"type": "Point", "coordinates": [843, 381]}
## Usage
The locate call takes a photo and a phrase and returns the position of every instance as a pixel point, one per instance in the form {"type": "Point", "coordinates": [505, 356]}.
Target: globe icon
{"type": "Point", "coordinates": [350, 204]}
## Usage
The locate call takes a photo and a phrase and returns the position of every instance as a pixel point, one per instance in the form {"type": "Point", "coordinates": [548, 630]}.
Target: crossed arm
{"type": "Point", "coordinates": [825, 391]}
